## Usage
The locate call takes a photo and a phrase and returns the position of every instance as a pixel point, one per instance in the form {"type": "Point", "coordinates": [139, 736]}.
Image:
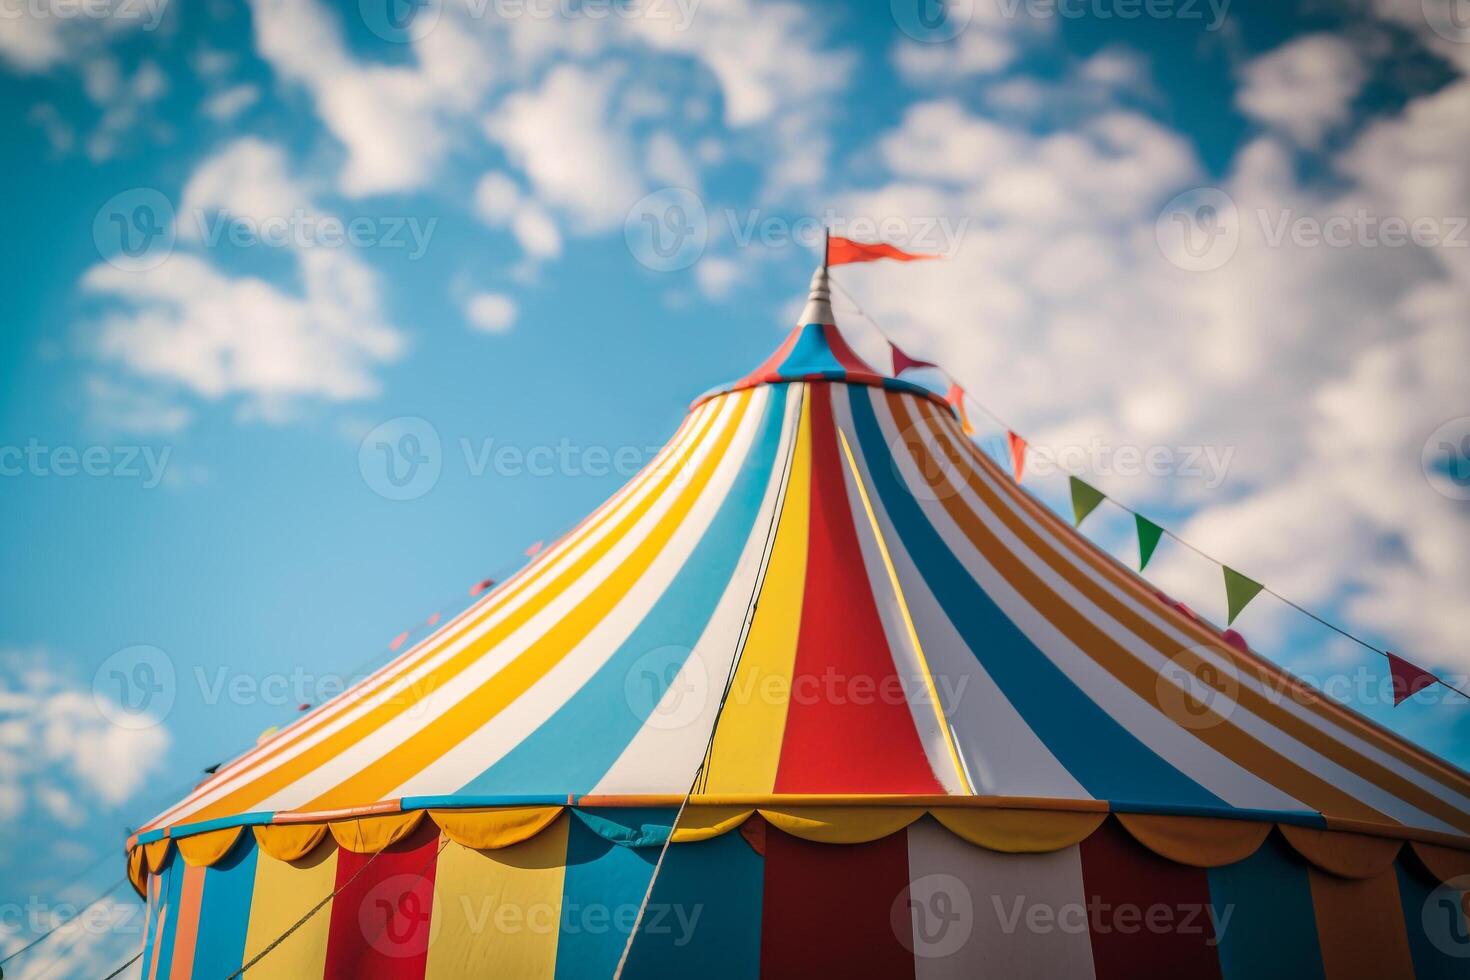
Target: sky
{"type": "Point", "coordinates": [317, 314]}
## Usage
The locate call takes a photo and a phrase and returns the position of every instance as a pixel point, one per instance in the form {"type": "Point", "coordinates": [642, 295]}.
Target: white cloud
{"type": "Point", "coordinates": [490, 312]}
{"type": "Point", "coordinates": [992, 39]}
{"type": "Point", "coordinates": [125, 100]}
{"type": "Point", "coordinates": [717, 276]}
{"type": "Point", "coordinates": [225, 105]}
{"type": "Point", "coordinates": [1304, 88]}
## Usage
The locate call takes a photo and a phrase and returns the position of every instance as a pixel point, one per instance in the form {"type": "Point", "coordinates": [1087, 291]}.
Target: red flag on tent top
{"type": "Point", "coordinates": [479, 587]}
{"type": "Point", "coordinates": [532, 551]}
{"type": "Point", "coordinates": [841, 251]}
{"type": "Point", "coordinates": [398, 640]}
{"type": "Point", "coordinates": [1018, 454]}
{"type": "Point", "coordinates": [1408, 679]}
{"type": "Point", "coordinates": [902, 362]}
{"type": "Point", "coordinates": [956, 397]}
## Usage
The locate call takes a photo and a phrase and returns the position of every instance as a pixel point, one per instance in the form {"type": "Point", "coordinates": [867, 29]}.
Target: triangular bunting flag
{"type": "Point", "coordinates": [1148, 539]}
{"type": "Point", "coordinates": [398, 640]}
{"type": "Point", "coordinates": [1408, 679]}
{"type": "Point", "coordinates": [1236, 640]}
{"type": "Point", "coordinates": [902, 362]}
{"type": "Point", "coordinates": [1239, 591]}
{"type": "Point", "coordinates": [479, 587]}
{"type": "Point", "coordinates": [432, 620]}
{"type": "Point", "coordinates": [1018, 454]}
{"type": "Point", "coordinates": [535, 549]}
{"type": "Point", "coordinates": [1085, 499]}
{"type": "Point", "coordinates": [956, 397]}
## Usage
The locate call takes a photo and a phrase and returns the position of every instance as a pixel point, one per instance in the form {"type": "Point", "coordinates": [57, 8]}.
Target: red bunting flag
{"type": "Point", "coordinates": [1234, 638]}
{"type": "Point", "coordinates": [1018, 454]}
{"type": "Point", "coordinates": [478, 587]}
{"type": "Point", "coordinates": [398, 640]}
{"type": "Point", "coordinates": [432, 620]}
{"type": "Point", "coordinates": [1408, 679]}
{"type": "Point", "coordinates": [531, 551]}
{"type": "Point", "coordinates": [902, 362]}
{"type": "Point", "coordinates": [304, 706]}
{"type": "Point", "coordinates": [841, 251]}
{"type": "Point", "coordinates": [956, 397]}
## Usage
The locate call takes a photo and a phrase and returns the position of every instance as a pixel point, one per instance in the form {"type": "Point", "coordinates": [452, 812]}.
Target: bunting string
{"type": "Point", "coordinates": [1408, 678]}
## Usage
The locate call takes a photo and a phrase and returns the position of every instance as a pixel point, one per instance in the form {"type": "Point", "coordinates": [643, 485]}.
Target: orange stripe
{"type": "Point", "coordinates": [1102, 649]}
{"type": "Point", "coordinates": [694, 423]}
{"type": "Point", "coordinates": [273, 780]}
{"type": "Point", "coordinates": [1360, 926]}
{"type": "Point", "coordinates": [468, 713]}
{"type": "Point", "coordinates": [1384, 779]}
{"type": "Point", "coordinates": [1270, 674]}
{"type": "Point", "coordinates": [186, 933]}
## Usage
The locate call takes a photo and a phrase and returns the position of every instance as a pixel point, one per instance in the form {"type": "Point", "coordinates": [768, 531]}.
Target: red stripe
{"type": "Point", "coordinates": [857, 369]}
{"type": "Point", "coordinates": [381, 921]}
{"type": "Point", "coordinates": [848, 727]}
{"type": "Point", "coordinates": [1148, 916]}
{"type": "Point", "coordinates": [828, 908]}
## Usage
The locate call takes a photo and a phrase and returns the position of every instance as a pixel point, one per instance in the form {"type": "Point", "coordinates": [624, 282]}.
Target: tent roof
{"type": "Point", "coordinates": [821, 562]}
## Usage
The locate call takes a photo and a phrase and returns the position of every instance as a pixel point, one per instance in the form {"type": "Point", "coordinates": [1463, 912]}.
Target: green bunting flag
{"type": "Point", "coordinates": [1239, 591]}
{"type": "Point", "coordinates": [1085, 499]}
{"type": "Point", "coordinates": [1148, 539]}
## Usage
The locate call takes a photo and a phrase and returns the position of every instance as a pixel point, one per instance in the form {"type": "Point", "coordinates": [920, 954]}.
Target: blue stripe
{"type": "Point", "coordinates": [484, 799]}
{"type": "Point", "coordinates": [601, 891]}
{"type": "Point", "coordinates": [1434, 921]}
{"type": "Point", "coordinates": [1102, 755]}
{"type": "Point", "coordinates": [704, 918]}
{"type": "Point", "coordinates": [224, 910]}
{"type": "Point", "coordinates": [630, 826]}
{"type": "Point", "coordinates": [1272, 927]}
{"type": "Point", "coordinates": [579, 743]}
{"type": "Point", "coordinates": [220, 823]}
{"type": "Point", "coordinates": [811, 355]}
{"type": "Point", "coordinates": [173, 891]}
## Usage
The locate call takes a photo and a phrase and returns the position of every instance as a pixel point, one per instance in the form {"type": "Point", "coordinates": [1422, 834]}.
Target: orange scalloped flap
{"type": "Point", "coordinates": [137, 872]}
{"type": "Point", "coordinates": [156, 853]}
{"type": "Point", "coordinates": [1203, 842]}
{"type": "Point", "coordinates": [289, 841]}
{"type": "Point", "coordinates": [841, 824]}
{"type": "Point", "coordinates": [1344, 854]}
{"type": "Point", "coordinates": [493, 828]}
{"type": "Point", "coordinates": [203, 850]}
{"type": "Point", "coordinates": [698, 823]}
{"type": "Point", "coordinates": [369, 835]}
{"type": "Point", "coordinates": [1019, 831]}
{"type": "Point", "coordinates": [1445, 863]}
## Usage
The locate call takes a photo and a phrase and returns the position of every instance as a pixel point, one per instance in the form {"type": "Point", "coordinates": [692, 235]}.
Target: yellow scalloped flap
{"type": "Point", "coordinates": [289, 841]}
{"type": "Point", "coordinates": [493, 828]}
{"type": "Point", "coordinates": [202, 850]}
{"type": "Point", "coordinates": [1445, 863]}
{"type": "Point", "coordinates": [1019, 831]}
{"type": "Point", "coordinates": [1204, 842]}
{"type": "Point", "coordinates": [369, 835]}
{"type": "Point", "coordinates": [1341, 853]}
{"type": "Point", "coordinates": [842, 824]}
{"type": "Point", "coordinates": [137, 873]}
{"type": "Point", "coordinates": [157, 854]}
{"type": "Point", "coordinates": [703, 822]}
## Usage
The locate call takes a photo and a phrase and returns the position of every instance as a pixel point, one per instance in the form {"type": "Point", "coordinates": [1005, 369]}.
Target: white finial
{"type": "Point", "coordinates": [819, 300]}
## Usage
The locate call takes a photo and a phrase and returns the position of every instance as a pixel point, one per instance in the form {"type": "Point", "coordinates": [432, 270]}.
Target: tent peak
{"type": "Point", "coordinates": [819, 300]}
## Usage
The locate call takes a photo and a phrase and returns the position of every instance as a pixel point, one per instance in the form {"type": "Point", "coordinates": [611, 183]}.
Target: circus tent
{"type": "Point", "coordinates": [820, 690]}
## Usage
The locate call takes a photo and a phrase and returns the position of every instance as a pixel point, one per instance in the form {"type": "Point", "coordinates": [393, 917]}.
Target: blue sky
{"type": "Point", "coordinates": [498, 165]}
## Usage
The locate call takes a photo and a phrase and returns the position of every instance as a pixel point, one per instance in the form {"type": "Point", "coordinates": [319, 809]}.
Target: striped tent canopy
{"type": "Point", "coordinates": [865, 703]}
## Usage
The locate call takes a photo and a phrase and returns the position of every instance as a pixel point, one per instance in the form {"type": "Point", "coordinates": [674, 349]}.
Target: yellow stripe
{"type": "Point", "coordinates": [747, 745]}
{"type": "Point", "coordinates": [283, 894]}
{"type": "Point", "coordinates": [500, 907]}
{"type": "Point", "coordinates": [271, 781]}
{"type": "Point", "coordinates": [908, 620]}
{"type": "Point", "coordinates": [431, 742]}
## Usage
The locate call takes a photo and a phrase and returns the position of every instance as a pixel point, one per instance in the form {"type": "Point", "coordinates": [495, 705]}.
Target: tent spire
{"type": "Point", "coordinates": [819, 300]}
